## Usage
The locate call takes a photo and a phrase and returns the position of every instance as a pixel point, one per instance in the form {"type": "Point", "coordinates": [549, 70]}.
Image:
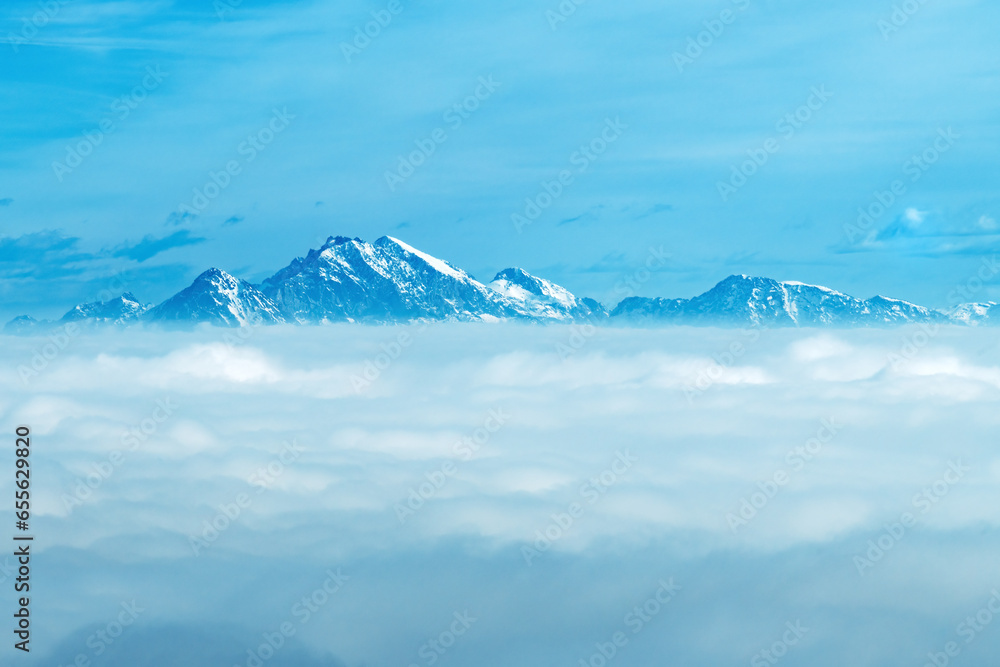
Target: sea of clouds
{"type": "Point", "coordinates": [497, 495]}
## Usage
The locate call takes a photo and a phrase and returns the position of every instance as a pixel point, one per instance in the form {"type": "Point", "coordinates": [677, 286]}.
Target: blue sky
{"type": "Point", "coordinates": [169, 93]}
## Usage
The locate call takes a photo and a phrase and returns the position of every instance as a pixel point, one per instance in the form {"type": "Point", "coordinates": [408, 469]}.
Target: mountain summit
{"type": "Point", "coordinates": [389, 281]}
{"type": "Point", "coordinates": [121, 311]}
{"type": "Point", "coordinates": [742, 300]}
{"type": "Point", "coordinates": [385, 281]}
{"type": "Point", "coordinates": [539, 298]}
{"type": "Point", "coordinates": [218, 298]}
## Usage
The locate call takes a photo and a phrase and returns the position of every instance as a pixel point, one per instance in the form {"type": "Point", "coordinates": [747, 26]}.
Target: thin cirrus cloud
{"type": "Point", "coordinates": [51, 250]}
{"type": "Point", "coordinates": [151, 246]}
{"type": "Point", "coordinates": [41, 254]}
{"type": "Point", "coordinates": [931, 234]}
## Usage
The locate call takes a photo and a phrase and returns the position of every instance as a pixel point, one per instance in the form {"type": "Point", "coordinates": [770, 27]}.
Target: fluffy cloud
{"type": "Point", "coordinates": [428, 472]}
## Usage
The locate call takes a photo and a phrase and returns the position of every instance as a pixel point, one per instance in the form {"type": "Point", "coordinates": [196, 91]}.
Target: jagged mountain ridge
{"type": "Point", "coordinates": [539, 298]}
{"type": "Point", "coordinates": [388, 281]}
{"type": "Point", "coordinates": [122, 310]}
{"type": "Point", "coordinates": [385, 281]}
{"type": "Point", "coordinates": [755, 301]}
{"type": "Point", "coordinates": [976, 314]}
{"type": "Point", "coordinates": [218, 298]}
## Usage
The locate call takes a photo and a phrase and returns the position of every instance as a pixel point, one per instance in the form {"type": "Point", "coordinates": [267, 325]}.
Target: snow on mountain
{"type": "Point", "coordinates": [749, 300]}
{"type": "Point", "coordinates": [25, 325]}
{"type": "Point", "coordinates": [895, 311]}
{"type": "Point", "coordinates": [385, 281]}
{"type": "Point", "coordinates": [649, 308]}
{"type": "Point", "coordinates": [975, 314]}
{"type": "Point", "coordinates": [218, 298]}
{"type": "Point", "coordinates": [742, 300]}
{"type": "Point", "coordinates": [812, 305]}
{"type": "Point", "coordinates": [390, 281]}
{"type": "Point", "coordinates": [121, 311]}
{"type": "Point", "coordinates": [538, 298]}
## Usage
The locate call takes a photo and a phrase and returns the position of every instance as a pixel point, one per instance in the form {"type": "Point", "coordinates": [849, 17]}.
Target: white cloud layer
{"type": "Point", "coordinates": [427, 473]}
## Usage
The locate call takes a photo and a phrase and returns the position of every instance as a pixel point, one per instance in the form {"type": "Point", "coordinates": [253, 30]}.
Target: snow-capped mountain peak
{"type": "Point", "coordinates": [435, 263]}
{"type": "Point", "coordinates": [795, 284]}
{"type": "Point", "coordinates": [539, 298]}
{"type": "Point", "coordinates": [384, 281]}
{"type": "Point", "coordinates": [219, 298]}
{"type": "Point", "coordinates": [742, 300]}
{"type": "Point", "coordinates": [388, 280]}
{"type": "Point", "coordinates": [975, 314]}
{"type": "Point", "coordinates": [121, 310]}
{"type": "Point", "coordinates": [519, 281]}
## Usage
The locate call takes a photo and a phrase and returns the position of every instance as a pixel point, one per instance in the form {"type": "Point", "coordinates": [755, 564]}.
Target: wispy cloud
{"type": "Point", "coordinates": [40, 254]}
{"type": "Point", "coordinates": [924, 233]}
{"type": "Point", "coordinates": [151, 246]}
{"type": "Point", "coordinates": [656, 209]}
{"type": "Point", "coordinates": [589, 215]}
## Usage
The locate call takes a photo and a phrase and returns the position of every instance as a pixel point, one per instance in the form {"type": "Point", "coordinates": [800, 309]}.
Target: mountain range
{"type": "Point", "coordinates": [388, 281]}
